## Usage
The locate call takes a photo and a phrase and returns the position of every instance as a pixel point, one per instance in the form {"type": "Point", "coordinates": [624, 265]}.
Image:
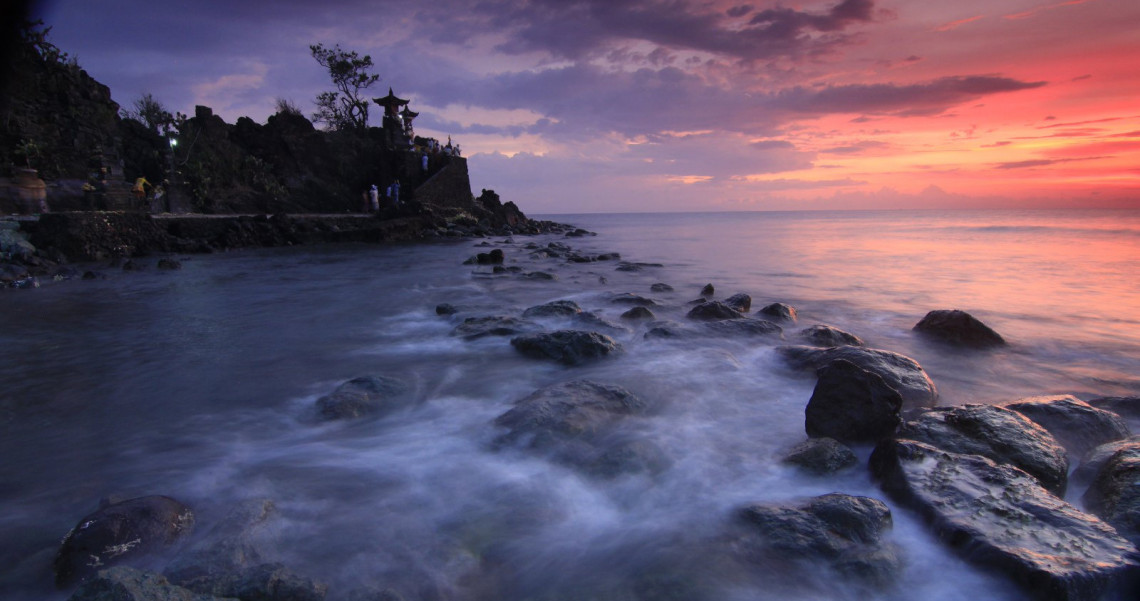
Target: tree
{"type": "Point", "coordinates": [344, 108]}
{"type": "Point", "coordinates": [150, 113]}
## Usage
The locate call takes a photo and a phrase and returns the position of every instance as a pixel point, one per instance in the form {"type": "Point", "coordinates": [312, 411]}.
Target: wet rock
{"type": "Point", "coordinates": [628, 298]}
{"type": "Point", "coordinates": [558, 308]}
{"type": "Point", "coordinates": [587, 320]}
{"type": "Point", "coordinates": [364, 396]}
{"type": "Point", "coordinates": [665, 330]}
{"type": "Point", "coordinates": [851, 404]}
{"type": "Point", "coordinates": [713, 310]}
{"type": "Point", "coordinates": [94, 275]}
{"type": "Point", "coordinates": [821, 456]}
{"type": "Point", "coordinates": [578, 233]}
{"type": "Point", "coordinates": [120, 532]}
{"type": "Point", "coordinates": [131, 265]}
{"type": "Point", "coordinates": [540, 276]}
{"type": "Point", "coordinates": [494, 257]}
{"type": "Point", "coordinates": [123, 583]}
{"type": "Point", "coordinates": [10, 272]}
{"type": "Point", "coordinates": [1078, 426]}
{"type": "Point", "coordinates": [958, 328]}
{"type": "Point", "coordinates": [999, 517]}
{"type": "Point", "coordinates": [445, 309]}
{"type": "Point", "coordinates": [780, 311]}
{"type": "Point", "coordinates": [1114, 494]}
{"type": "Point", "coordinates": [743, 327]}
{"type": "Point", "coordinates": [741, 302]}
{"type": "Point", "coordinates": [708, 291]}
{"type": "Point", "coordinates": [844, 531]}
{"type": "Point", "coordinates": [169, 264]}
{"type": "Point", "coordinates": [899, 371]}
{"type": "Point", "coordinates": [1095, 460]}
{"type": "Point", "coordinates": [608, 257]}
{"type": "Point", "coordinates": [828, 336]}
{"type": "Point", "coordinates": [493, 325]}
{"type": "Point", "coordinates": [569, 347]}
{"type": "Point", "coordinates": [660, 287]}
{"type": "Point", "coordinates": [635, 267]}
{"type": "Point", "coordinates": [1127, 407]}
{"type": "Point", "coordinates": [638, 313]}
{"type": "Point", "coordinates": [997, 433]}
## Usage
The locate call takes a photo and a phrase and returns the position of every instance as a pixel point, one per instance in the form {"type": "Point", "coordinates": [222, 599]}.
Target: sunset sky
{"type": "Point", "coordinates": [569, 106]}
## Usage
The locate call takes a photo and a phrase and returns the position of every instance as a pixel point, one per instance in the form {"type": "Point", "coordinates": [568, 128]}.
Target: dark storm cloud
{"type": "Point", "coordinates": [928, 98]}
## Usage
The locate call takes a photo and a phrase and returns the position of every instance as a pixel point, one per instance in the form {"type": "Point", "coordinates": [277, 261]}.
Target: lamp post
{"type": "Point", "coordinates": [169, 188]}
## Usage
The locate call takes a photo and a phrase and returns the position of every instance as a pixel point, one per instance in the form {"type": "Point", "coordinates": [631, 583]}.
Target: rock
{"type": "Point", "coordinates": [660, 287]}
{"type": "Point", "coordinates": [93, 275]}
{"type": "Point", "coordinates": [997, 433]}
{"type": "Point", "coordinates": [1114, 494]}
{"type": "Point", "coordinates": [821, 456]}
{"type": "Point", "coordinates": [635, 267]}
{"type": "Point", "coordinates": [1095, 460]}
{"type": "Point", "coordinates": [540, 276]}
{"type": "Point", "coordinates": [665, 329]}
{"type": "Point", "coordinates": [638, 313]}
{"type": "Point", "coordinates": [445, 309]}
{"type": "Point", "coordinates": [629, 298]}
{"type": "Point", "coordinates": [708, 291]}
{"type": "Point", "coordinates": [608, 257]}
{"type": "Point", "coordinates": [744, 327]}
{"type": "Point", "coordinates": [363, 396]}
{"type": "Point", "coordinates": [587, 320]}
{"type": "Point", "coordinates": [576, 423]}
{"type": "Point", "coordinates": [851, 404]}
{"type": "Point", "coordinates": [899, 372]}
{"type": "Point", "coordinates": [1078, 426]}
{"type": "Point", "coordinates": [570, 347]}
{"type": "Point", "coordinates": [999, 517]}
{"type": "Point", "coordinates": [493, 325]}
{"type": "Point", "coordinates": [495, 257]}
{"type": "Point", "coordinates": [1127, 407]}
{"type": "Point", "coordinates": [120, 532]}
{"type": "Point", "coordinates": [713, 310]}
{"type": "Point", "coordinates": [123, 583]}
{"type": "Point", "coordinates": [558, 308]}
{"type": "Point", "coordinates": [741, 302]}
{"type": "Point", "coordinates": [15, 244]}
{"type": "Point", "coordinates": [958, 328]}
{"type": "Point", "coordinates": [169, 264]}
{"type": "Point", "coordinates": [845, 532]}
{"type": "Point", "coordinates": [780, 311]}
{"type": "Point", "coordinates": [828, 336]}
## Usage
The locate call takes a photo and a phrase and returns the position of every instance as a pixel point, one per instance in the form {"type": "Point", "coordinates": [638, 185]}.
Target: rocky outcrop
{"type": "Point", "coordinates": [569, 347]}
{"type": "Point", "coordinates": [898, 371]}
{"type": "Point", "coordinates": [999, 517]}
{"type": "Point", "coordinates": [120, 532]}
{"type": "Point", "coordinates": [1078, 426]}
{"type": "Point", "coordinates": [364, 396]}
{"type": "Point", "coordinates": [958, 328]}
{"type": "Point", "coordinates": [1114, 494]}
{"type": "Point", "coordinates": [851, 404]}
{"type": "Point", "coordinates": [999, 434]}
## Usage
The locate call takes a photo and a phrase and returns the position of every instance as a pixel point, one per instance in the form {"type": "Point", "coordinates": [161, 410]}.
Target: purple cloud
{"type": "Point", "coordinates": [928, 98]}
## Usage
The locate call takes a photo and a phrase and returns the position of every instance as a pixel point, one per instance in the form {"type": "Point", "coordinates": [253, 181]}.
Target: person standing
{"type": "Point", "coordinates": [374, 198]}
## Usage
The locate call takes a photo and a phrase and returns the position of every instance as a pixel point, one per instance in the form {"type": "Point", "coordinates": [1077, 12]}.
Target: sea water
{"type": "Point", "coordinates": [200, 384]}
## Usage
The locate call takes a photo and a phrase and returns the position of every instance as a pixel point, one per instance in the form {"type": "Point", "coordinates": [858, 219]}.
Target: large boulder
{"type": "Point", "coordinates": [999, 517]}
{"type": "Point", "coordinates": [1114, 494]}
{"type": "Point", "coordinates": [845, 532]}
{"type": "Point", "coordinates": [999, 434]}
{"type": "Point", "coordinates": [474, 328]}
{"type": "Point", "coordinates": [577, 423]}
{"type": "Point", "coordinates": [851, 404]}
{"type": "Point", "coordinates": [120, 532]}
{"type": "Point", "coordinates": [829, 336]}
{"type": "Point", "coordinates": [123, 583]}
{"type": "Point", "coordinates": [1078, 426]}
{"type": "Point", "coordinates": [569, 347]}
{"type": "Point", "coordinates": [713, 310]}
{"type": "Point", "coordinates": [364, 396]}
{"type": "Point", "coordinates": [898, 371]}
{"type": "Point", "coordinates": [958, 328]}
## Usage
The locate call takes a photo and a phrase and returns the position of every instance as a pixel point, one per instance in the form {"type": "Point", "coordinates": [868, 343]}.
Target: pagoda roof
{"type": "Point", "coordinates": [407, 112]}
{"type": "Point", "coordinates": [390, 100]}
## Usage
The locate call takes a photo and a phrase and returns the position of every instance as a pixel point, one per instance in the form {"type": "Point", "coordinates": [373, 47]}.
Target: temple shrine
{"type": "Point", "coordinates": [396, 125]}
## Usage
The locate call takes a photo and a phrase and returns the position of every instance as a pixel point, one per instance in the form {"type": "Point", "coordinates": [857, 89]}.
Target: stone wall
{"type": "Point", "coordinates": [450, 187]}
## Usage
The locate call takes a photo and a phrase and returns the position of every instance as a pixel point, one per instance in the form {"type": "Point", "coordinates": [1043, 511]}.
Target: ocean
{"type": "Point", "coordinates": [200, 384]}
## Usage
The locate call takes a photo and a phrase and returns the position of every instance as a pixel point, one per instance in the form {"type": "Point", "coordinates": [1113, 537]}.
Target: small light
{"type": "Point", "coordinates": [173, 142]}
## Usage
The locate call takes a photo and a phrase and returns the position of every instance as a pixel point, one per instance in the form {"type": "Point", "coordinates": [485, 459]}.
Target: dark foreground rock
{"type": "Point", "coordinates": [851, 404]}
{"type": "Point", "coordinates": [958, 328]}
{"type": "Point", "coordinates": [1114, 494]}
{"type": "Point", "coordinates": [1078, 426]}
{"type": "Point", "coordinates": [578, 423]}
{"type": "Point", "coordinates": [844, 532]}
{"type": "Point", "coordinates": [780, 312]}
{"type": "Point", "coordinates": [713, 310]}
{"type": "Point", "coordinates": [899, 372]}
{"type": "Point", "coordinates": [569, 347]}
{"type": "Point", "coordinates": [829, 336]}
{"type": "Point", "coordinates": [123, 583]}
{"type": "Point", "coordinates": [741, 302]}
{"type": "Point", "coordinates": [999, 434]}
{"type": "Point", "coordinates": [999, 517]}
{"type": "Point", "coordinates": [120, 532]}
{"type": "Point", "coordinates": [821, 456]}
{"type": "Point", "coordinates": [363, 396]}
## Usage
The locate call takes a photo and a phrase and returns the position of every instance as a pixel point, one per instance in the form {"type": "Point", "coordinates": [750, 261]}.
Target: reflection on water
{"type": "Point", "coordinates": [200, 383]}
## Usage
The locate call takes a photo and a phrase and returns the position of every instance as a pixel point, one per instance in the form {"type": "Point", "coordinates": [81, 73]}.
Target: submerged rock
{"type": "Point", "coordinates": [1114, 494]}
{"type": "Point", "coordinates": [638, 313]}
{"type": "Point", "coordinates": [741, 302]}
{"type": "Point", "coordinates": [366, 395]}
{"type": "Point", "coordinates": [999, 517]}
{"type": "Point", "coordinates": [958, 328]}
{"type": "Point", "coordinates": [821, 456]}
{"type": "Point", "coordinates": [898, 371]}
{"type": "Point", "coordinates": [843, 531]}
{"type": "Point", "coordinates": [1078, 426]}
{"type": "Point", "coordinates": [743, 327]}
{"type": "Point", "coordinates": [851, 404]}
{"type": "Point", "coordinates": [445, 309]}
{"type": "Point", "coordinates": [123, 583]}
{"type": "Point", "coordinates": [713, 310]}
{"type": "Point", "coordinates": [558, 308]}
{"type": "Point", "coordinates": [120, 532]}
{"type": "Point", "coordinates": [997, 433]}
{"type": "Point", "coordinates": [660, 287]}
{"type": "Point", "coordinates": [629, 298]}
{"type": "Point", "coordinates": [570, 347]}
{"type": "Point", "coordinates": [780, 312]}
{"type": "Point", "coordinates": [473, 328]}
{"type": "Point", "coordinates": [828, 336]}
{"type": "Point", "coordinates": [708, 291]}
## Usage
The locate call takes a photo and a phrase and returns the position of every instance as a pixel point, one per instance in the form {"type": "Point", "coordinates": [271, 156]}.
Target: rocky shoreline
{"type": "Point", "coordinates": [988, 480]}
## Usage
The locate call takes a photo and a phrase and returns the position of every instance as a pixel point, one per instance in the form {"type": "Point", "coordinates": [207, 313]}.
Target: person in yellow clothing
{"type": "Point", "coordinates": [140, 189]}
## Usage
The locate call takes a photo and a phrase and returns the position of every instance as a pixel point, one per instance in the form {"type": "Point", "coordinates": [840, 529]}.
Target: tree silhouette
{"type": "Point", "coordinates": [344, 108]}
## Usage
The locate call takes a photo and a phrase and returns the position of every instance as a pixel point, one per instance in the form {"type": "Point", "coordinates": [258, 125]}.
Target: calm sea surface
{"type": "Point", "coordinates": [200, 384]}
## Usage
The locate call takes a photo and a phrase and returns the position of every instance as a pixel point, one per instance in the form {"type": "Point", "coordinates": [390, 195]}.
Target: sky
{"type": "Point", "coordinates": [581, 106]}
